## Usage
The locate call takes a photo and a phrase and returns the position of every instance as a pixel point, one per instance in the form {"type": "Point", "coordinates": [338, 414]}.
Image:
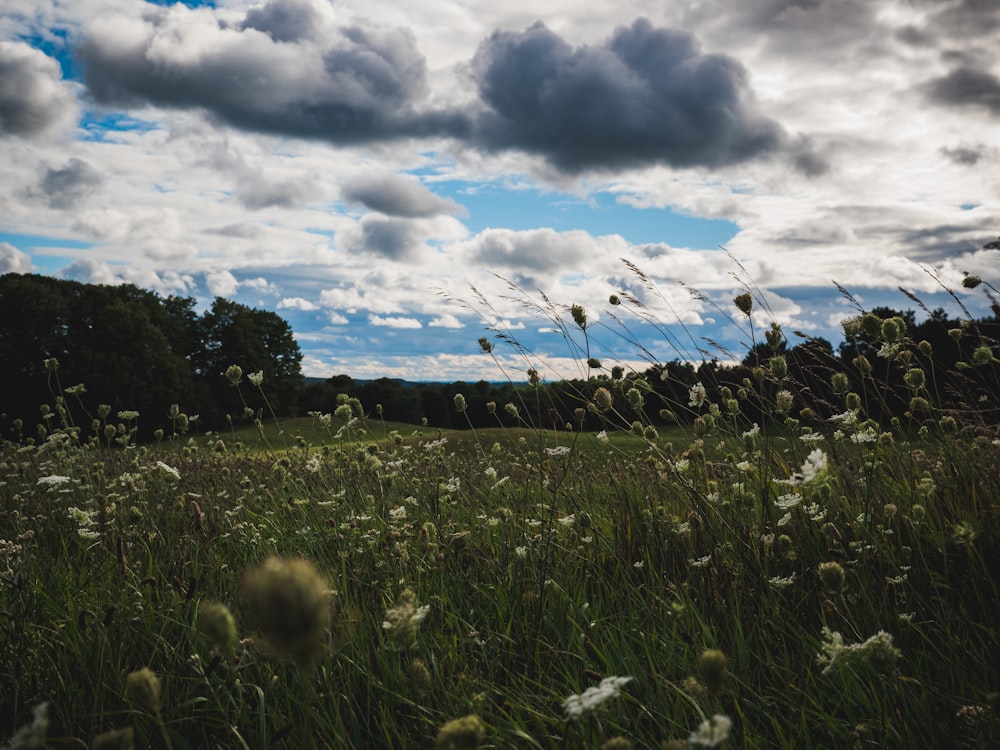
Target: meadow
{"type": "Point", "coordinates": [342, 581]}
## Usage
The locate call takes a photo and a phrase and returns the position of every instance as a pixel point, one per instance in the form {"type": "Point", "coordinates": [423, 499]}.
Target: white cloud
{"type": "Point", "coordinates": [221, 283]}
{"type": "Point", "coordinates": [297, 303]}
{"type": "Point", "coordinates": [379, 321]}
{"type": "Point", "coordinates": [13, 260]}
{"type": "Point", "coordinates": [446, 321]}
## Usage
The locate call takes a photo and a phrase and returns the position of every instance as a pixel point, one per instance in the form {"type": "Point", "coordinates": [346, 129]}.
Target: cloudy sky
{"type": "Point", "coordinates": [396, 179]}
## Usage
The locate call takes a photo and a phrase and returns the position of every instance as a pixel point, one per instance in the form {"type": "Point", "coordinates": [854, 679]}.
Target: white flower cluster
{"type": "Point", "coordinates": [877, 651]}
{"type": "Point", "coordinates": [594, 697]}
{"type": "Point", "coordinates": [712, 732]}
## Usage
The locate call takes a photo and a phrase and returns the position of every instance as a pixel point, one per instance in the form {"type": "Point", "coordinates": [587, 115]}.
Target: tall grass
{"type": "Point", "coordinates": [815, 583]}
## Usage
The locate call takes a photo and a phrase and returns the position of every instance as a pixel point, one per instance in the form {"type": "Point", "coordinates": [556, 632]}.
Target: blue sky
{"type": "Point", "coordinates": [397, 184]}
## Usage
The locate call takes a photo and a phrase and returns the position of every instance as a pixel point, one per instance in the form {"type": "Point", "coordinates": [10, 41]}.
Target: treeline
{"type": "Point", "coordinates": [897, 367]}
{"type": "Point", "coordinates": [135, 351]}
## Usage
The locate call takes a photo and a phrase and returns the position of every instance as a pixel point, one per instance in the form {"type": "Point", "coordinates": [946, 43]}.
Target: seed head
{"type": "Point", "coordinates": [832, 575]}
{"type": "Point", "coordinates": [712, 666]}
{"type": "Point", "coordinates": [291, 602]}
{"type": "Point", "coordinates": [217, 624]}
{"type": "Point", "coordinates": [971, 281]}
{"type": "Point", "coordinates": [579, 316]}
{"type": "Point", "coordinates": [234, 374]}
{"type": "Point", "coordinates": [603, 399]}
{"type": "Point", "coordinates": [116, 739]}
{"type": "Point", "coordinates": [143, 689]}
{"type": "Point", "coordinates": [744, 303]}
{"type": "Point", "coordinates": [467, 733]}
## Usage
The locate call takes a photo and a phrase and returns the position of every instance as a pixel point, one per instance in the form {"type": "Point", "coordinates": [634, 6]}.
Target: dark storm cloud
{"type": "Point", "coordinates": [33, 98]}
{"type": "Point", "coordinates": [395, 239]}
{"type": "Point", "coordinates": [356, 84]}
{"type": "Point", "coordinates": [285, 20]}
{"type": "Point", "coordinates": [396, 195]}
{"type": "Point", "coordinates": [67, 186]}
{"type": "Point", "coordinates": [646, 95]}
{"type": "Point", "coordinates": [967, 86]}
{"type": "Point", "coordinates": [967, 155]}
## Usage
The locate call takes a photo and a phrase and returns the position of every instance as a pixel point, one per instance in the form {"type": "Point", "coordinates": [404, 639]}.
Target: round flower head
{"type": "Point", "coordinates": [143, 688]}
{"type": "Point", "coordinates": [290, 601]}
{"type": "Point", "coordinates": [466, 733]}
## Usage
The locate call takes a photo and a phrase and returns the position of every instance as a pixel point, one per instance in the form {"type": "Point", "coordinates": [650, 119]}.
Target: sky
{"type": "Point", "coordinates": [398, 180]}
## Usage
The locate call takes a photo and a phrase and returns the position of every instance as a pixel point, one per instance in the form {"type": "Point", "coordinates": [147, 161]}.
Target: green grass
{"type": "Point", "coordinates": [419, 576]}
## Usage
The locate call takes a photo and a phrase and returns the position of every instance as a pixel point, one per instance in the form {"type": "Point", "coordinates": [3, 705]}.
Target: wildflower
{"type": "Point", "coordinates": [168, 470]}
{"type": "Point", "coordinates": [485, 344]}
{"type": "Point", "coordinates": [579, 316]}
{"type": "Point", "coordinates": [459, 402]}
{"type": "Point", "coordinates": [712, 732]}
{"type": "Point", "coordinates": [290, 600]}
{"type": "Point", "coordinates": [234, 374]}
{"type": "Point", "coordinates": [914, 378]}
{"type": "Point", "coordinates": [533, 377]}
{"type": "Point", "coordinates": [782, 582]}
{"type": "Point", "coordinates": [116, 739]}
{"type": "Point", "coordinates": [567, 520]}
{"type": "Point", "coordinates": [512, 410]}
{"type": "Point", "coordinates": [466, 733]}
{"type": "Point", "coordinates": [814, 465]}
{"type": "Point", "coordinates": [832, 575]}
{"type": "Point", "coordinates": [217, 624]}
{"type": "Point", "coordinates": [143, 688]}
{"type": "Point", "coordinates": [877, 651]}
{"type": "Point", "coordinates": [712, 667]}
{"type": "Point", "coordinates": [603, 399]}
{"type": "Point", "coordinates": [256, 378]}
{"type": "Point", "coordinates": [982, 355]}
{"type": "Point", "coordinates": [783, 400]}
{"type": "Point", "coordinates": [744, 303]}
{"type": "Point", "coordinates": [593, 697]}
{"type": "Point", "coordinates": [32, 736]}
{"type": "Point", "coordinates": [397, 514]}
{"type": "Point", "coordinates": [52, 480]}
{"type": "Point", "coordinates": [602, 436]}
{"type": "Point", "coordinates": [559, 450]}
{"type": "Point", "coordinates": [779, 367]}
{"type": "Point", "coordinates": [594, 363]}
{"type": "Point", "coordinates": [971, 281]}
{"type": "Point", "coordinates": [404, 619]}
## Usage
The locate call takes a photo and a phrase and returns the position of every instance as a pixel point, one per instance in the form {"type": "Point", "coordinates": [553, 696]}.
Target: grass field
{"type": "Point", "coordinates": [340, 581]}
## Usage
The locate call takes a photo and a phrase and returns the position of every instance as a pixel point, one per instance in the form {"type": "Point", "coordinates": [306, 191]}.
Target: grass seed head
{"type": "Point", "coordinates": [466, 733]}
{"type": "Point", "coordinates": [143, 689]}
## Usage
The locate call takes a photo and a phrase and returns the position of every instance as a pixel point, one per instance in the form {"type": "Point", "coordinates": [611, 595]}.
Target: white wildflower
{"type": "Point", "coordinates": [697, 395]}
{"type": "Point", "coordinates": [602, 436]}
{"type": "Point", "coordinates": [712, 732]}
{"type": "Point", "coordinates": [593, 697]}
{"type": "Point", "coordinates": [168, 470]}
{"type": "Point", "coordinates": [52, 480]}
{"type": "Point", "coordinates": [780, 582]}
{"type": "Point", "coordinates": [397, 514]}
{"type": "Point", "coordinates": [256, 378]}
{"type": "Point", "coordinates": [787, 501]}
{"type": "Point", "coordinates": [811, 437]}
{"type": "Point", "coordinates": [559, 450]}
{"type": "Point", "coordinates": [568, 520]}
{"type": "Point", "coordinates": [877, 651]}
{"type": "Point", "coordinates": [32, 736]}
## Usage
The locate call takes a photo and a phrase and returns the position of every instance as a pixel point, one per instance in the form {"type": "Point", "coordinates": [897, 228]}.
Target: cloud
{"type": "Point", "coordinates": [351, 300]}
{"type": "Point", "coordinates": [33, 97]}
{"type": "Point", "coordinates": [645, 95]}
{"type": "Point", "coordinates": [535, 250]}
{"type": "Point", "coordinates": [67, 186]}
{"type": "Point", "coordinates": [297, 303]}
{"type": "Point", "coordinates": [352, 84]}
{"type": "Point", "coordinates": [395, 239]}
{"type": "Point", "coordinates": [966, 155]}
{"type": "Point", "coordinates": [446, 321]}
{"type": "Point", "coordinates": [397, 195]}
{"type": "Point", "coordinates": [221, 283]}
{"type": "Point", "coordinates": [378, 320]}
{"type": "Point", "coordinates": [967, 86]}
{"type": "Point", "coordinates": [13, 260]}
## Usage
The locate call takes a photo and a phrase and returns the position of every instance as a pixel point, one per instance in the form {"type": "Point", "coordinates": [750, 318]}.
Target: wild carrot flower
{"type": "Point", "coordinates": [33, 736]}
{"type": "Point", "coordinates": [403, 620]}
{"type": "Point", "coordinates": [697, 395]}
{"type": "Point", "coordinates": [594, 697]}
{"type": "Point", "coordinates": [877, 651]}
{"type": "Point", "coordinates": [603, 399]}
{"type": "Point", "coordinates": [712, 732]}
{"type": "Point", "coordinates": [256, 378]}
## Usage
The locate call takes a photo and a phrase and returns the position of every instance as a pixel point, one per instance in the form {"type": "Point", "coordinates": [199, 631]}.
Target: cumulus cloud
{"type": "Point", "coordinates": [221, 283]}
{"type": "Point", "coordinates": [33, 97]}
{"type": "Point", "coordinates": [535, 250]}
{"type": "Point", "coordinates": [355, 83]}
{"type": "Point", "coordinates": [67, 186]}
{"type": "Point", "coordinates": [399, 322]}
{"type": "Point", "coordinates": [397, 195]}
{"type": "Point", "coordinates": [967, 86]}
{"type": "Point", "coordinates": [13, 260]}
{"type": "Point", "coordinates": [395, 239]}
{"type": "Point", "coordinates": [446, 321]}
{"type": "Point", "coordinates": [297, 303]}
{"type": "Point", "coordinates": [645, 95]}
